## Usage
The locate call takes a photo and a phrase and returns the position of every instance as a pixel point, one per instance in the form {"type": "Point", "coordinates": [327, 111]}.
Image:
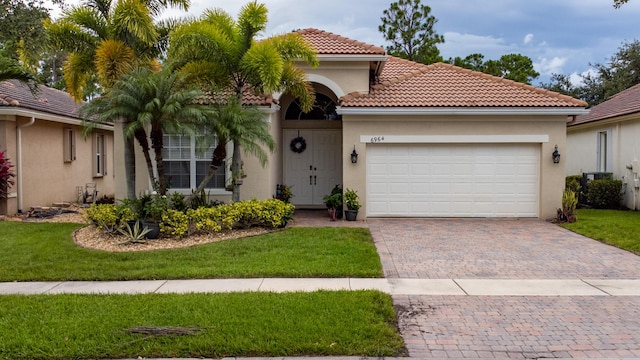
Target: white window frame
{"type": "Point", "coordinates": [99, 152]}
{"type": "Point", "coordinates": [603, 151]}
{"type": "Point", "coordinates": [68, 145]}
{"type": "Point", "coordinates": [193, 160]}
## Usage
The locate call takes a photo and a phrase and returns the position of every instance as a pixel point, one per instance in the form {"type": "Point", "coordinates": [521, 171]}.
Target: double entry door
{"type": "Point", "coordinates": [314, 171]}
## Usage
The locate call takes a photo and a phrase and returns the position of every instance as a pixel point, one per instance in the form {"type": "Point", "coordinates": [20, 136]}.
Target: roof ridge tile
{"type": "Point", "coordinates": [364, 47]}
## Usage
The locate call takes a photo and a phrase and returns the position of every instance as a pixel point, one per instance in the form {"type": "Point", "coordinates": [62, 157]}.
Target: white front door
{"type": "Point", "coordinates": [312, 173]}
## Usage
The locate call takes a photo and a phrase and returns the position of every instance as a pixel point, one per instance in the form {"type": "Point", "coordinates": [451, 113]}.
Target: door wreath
{"type": "Point", "coordinates": [298, 144]}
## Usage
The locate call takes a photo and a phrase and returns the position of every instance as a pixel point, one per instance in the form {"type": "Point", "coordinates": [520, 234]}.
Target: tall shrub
{"type": "Point", "coordinates": [6, 175]}
{"type": "Point", "coordinates": [605, 194]}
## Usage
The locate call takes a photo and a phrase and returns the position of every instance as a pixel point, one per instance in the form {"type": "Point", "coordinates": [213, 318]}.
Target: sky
{"type": "Point", "coordinates": [560, 36]}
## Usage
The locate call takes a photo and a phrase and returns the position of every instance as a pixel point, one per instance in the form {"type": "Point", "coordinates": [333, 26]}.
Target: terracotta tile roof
{"type": "Point", "coordinates": [623, 103]}
{"type": "Point", "coordinates": [16, 94]}
{"type": "Point", "coordinates": [248, 98]}
{"type": "Point", "coordinates": [404, 83]}
{"type": "Point", "coordinates": [327, 43]}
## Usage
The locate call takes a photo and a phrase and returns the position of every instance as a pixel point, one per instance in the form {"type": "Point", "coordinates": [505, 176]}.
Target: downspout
{"type": "Point", "coordinates": [19, 156]}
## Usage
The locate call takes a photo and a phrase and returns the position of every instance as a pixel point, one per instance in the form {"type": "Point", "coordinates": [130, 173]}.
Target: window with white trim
{"type": "Point", "coordinates": [69, 145]}
{"type": "Point", "coordinates": [185, 167]}
{"type": "Point", "coordinates": [602, 162]}
{"type": "Point", "coordinates": [99, 155]}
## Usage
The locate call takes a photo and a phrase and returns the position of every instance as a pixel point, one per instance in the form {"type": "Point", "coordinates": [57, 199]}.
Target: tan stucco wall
{"type": "Point", "coordinates": [45, 177]}
{"type": "Point", "coordinates": [551, 175]}
{"type": "Point", "coordinates": [260, 182]}
{"type": "Point", "coordinates": [623, 152]}
{"type": "Point", "coordinates": [8, 144]}
{"type": "Point", "coordinates": [348, 76]}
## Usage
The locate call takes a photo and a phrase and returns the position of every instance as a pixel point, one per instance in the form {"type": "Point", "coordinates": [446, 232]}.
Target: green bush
{"type": "Point", "coordinates": [174, 223]}
{"type": "Point", "coordinates": [109, 217]}
{"type": "Point", "coordinates": [572, 182]}
{"type": "Point", "coordinates": [271, 213]}
{"type": "Point", "coordinates": [605, 194]}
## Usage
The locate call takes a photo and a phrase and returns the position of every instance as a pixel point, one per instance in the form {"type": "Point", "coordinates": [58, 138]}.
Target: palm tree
{"type": "Point", "coordinates": [160, 101]}
{"type": "Point", "coordinates": [231, 120]}
{"type": "Point", "coordinates": [12, 70]}
{"type": "Point", "coordinates": [223, 55]}
{"type": "Point", "coordinates": [109, 38]}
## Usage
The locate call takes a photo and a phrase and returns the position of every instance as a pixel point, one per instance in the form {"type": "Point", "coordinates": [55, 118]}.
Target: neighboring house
{"type": "Point", "coordinates": [432, 141]}
{"type": "Point", "coordinates": [608, 140]}
{"type": "Point", "coordinates": [43, 138]}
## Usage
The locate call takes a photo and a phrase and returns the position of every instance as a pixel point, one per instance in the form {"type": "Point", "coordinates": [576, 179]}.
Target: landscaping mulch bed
{"type": "Point", "coordinates": [92, 238]}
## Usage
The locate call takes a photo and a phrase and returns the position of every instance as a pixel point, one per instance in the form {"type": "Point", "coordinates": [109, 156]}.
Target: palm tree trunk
{"type": "Point", "coordinates": [141, 136]}
{"type": "Point", "coordinates": [130, 167]}
{"type": "Point", "coordinates": [217, 159]}
{"type": "Point", "coordinates": [156, 141]}
{"type": "Point", "coordinates": [236, 171]}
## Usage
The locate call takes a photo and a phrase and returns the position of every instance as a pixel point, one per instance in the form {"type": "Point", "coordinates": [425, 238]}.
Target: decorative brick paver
{"type": "Point", "coordinates": [520, 327]}
{"type": "Point", "coordinates": [495, 249]}
{"type": "Point", "coordinates": [505, 327]}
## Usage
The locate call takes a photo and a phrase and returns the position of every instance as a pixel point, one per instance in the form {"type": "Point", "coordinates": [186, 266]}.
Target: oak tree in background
{"type": "Point", "coordinates": [514, 67]}
{"type": "Point", "coordinates": [620, 73]}
{"type": "Point", "coordinates": [408, 25]}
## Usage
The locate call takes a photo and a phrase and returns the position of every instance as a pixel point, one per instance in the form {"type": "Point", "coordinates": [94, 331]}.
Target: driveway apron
{"type": "Point", "coordinates": [521, 327]}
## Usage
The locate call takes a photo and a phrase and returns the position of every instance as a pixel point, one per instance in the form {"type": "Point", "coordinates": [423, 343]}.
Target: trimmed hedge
{"type": "Point", "coordinates": [271, 213]}
{"type": "Point", "coordinates": [605, 194]}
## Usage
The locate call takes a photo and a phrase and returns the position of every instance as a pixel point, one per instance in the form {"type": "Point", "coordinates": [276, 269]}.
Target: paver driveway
{"type": "Point", "coordinates": [495, 249]}
{"type": "Point", "coordinates": [508, 326]}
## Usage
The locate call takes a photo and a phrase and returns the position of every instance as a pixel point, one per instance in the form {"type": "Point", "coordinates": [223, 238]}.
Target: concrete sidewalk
{"type": "Point", "coordinates": [460, 287]}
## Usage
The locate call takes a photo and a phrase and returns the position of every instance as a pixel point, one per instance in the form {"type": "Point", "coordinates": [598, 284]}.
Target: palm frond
{"type": "Point", "coordinates": [134, 17]}
{"type": "Point", "coordinates": [77, 69]}
{"type": "Point", "coordinates": [252, 20]}
{"type": "Point", "coordinates": [157, 6]}
{"type": "Point", "coordinates": [113, 58]}
{"type": "Point", "coordinates": [89, 19]}
{"type": "Point", "coordinates": [103, 7]}
{"type": "Point", "coordinates": [294, 83]}
{"type": "Point", "coordinates": [12, 70]}
{"type": "Point", "coordinates": [292, 46]}
{"type": "Point", "coordinates": [71, 37]}
{"type": "Point", "coordinates": [264, 66]}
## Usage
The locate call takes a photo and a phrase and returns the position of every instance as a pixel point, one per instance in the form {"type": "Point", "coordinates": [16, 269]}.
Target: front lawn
{"type": "Point", "coordinates": [357, 323]}
{"type": "Point", "coordinates": [614, 227]}
{"type": "Point", "coordinates": [46, 252]}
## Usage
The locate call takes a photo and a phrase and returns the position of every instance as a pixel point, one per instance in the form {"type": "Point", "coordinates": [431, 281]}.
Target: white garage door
{"type": "Point", "coordinates": [453, 180]}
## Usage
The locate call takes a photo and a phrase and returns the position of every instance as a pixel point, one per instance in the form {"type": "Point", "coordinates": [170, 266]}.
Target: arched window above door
{"type": "Point", "coordinates": [324, 108]}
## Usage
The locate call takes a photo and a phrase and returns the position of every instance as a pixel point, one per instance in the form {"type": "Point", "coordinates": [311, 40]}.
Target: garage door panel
{"type": "Point", "coordinates": [460, 180]}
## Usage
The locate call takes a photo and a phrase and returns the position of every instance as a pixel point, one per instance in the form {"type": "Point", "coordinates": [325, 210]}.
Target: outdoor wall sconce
{"type": "Point", "coordinates": [556, 155]}
{"type": "Point", "coordinates": [354, 155]}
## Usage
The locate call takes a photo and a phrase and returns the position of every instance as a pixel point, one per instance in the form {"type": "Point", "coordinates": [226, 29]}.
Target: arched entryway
{"type": "Point", "coordinates": [312, 148]}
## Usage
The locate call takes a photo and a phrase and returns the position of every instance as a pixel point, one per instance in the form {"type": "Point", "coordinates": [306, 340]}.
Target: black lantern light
{"type": "Point", "coordinates": [354, 155]}
{"type": "Point", "coordinates": [556, 155]}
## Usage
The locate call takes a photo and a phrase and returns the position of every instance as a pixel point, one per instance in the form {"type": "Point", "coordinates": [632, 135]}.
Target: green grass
{"type": "Point", "coordinates": [614, 227]}
{"type": "Point", "coordinates": [358, 323]}
{"type": "Point", "coordinates": [46, 252]}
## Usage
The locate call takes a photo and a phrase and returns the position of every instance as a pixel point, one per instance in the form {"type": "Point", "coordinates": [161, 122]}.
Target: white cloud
{"type": "Point", "coordinates": [550, 66]}
{"type": "Point", "coordinates": [576, 79]}
{"type": "Point", "coordinates": [528, 38]}
{"type": "Point", "coordinates": [457, 44]}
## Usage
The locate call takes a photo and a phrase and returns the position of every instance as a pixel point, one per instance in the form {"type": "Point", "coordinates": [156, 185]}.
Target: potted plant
{"type": "Point", "coordinates": [333, 202]}
{"type": "Point", "coordinates": [283, 193]}
{"type": "Point", "coordinates": [353, 205]}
